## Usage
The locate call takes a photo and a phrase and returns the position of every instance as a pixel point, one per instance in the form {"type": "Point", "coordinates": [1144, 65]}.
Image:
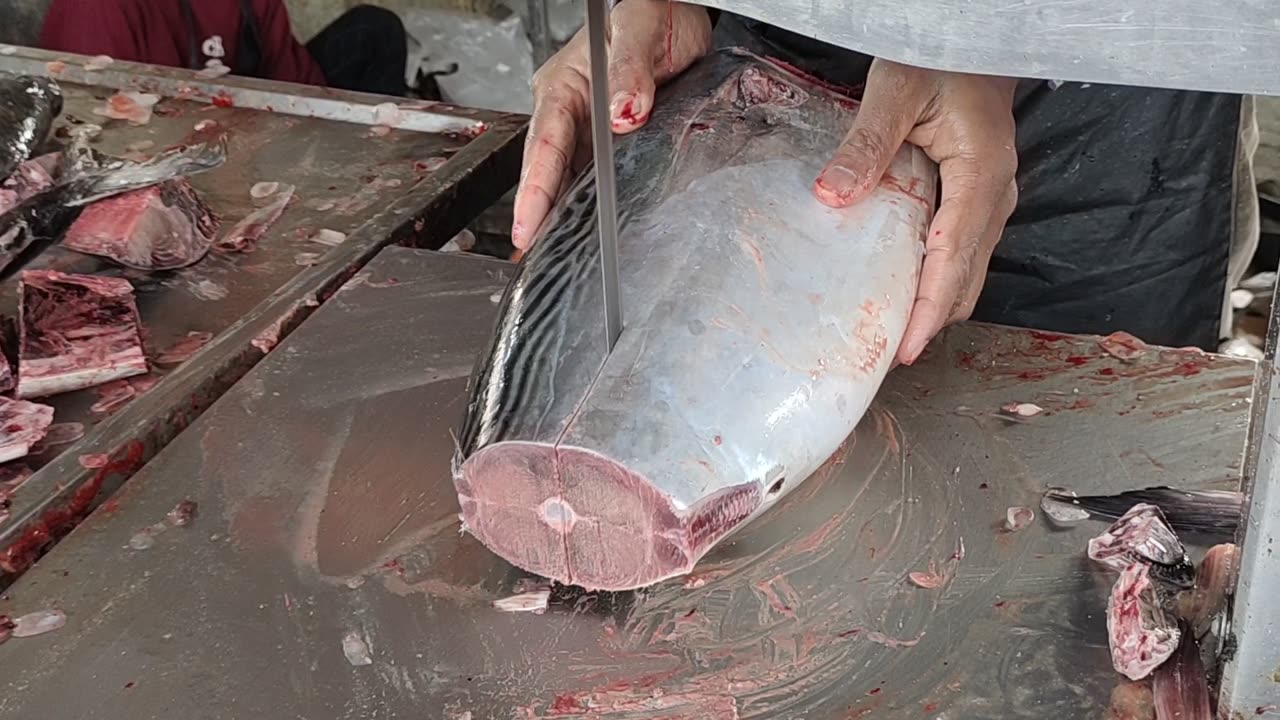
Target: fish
{"type": "Point", "coordinates": [1212, 513]}
{"type": "Point", "coordinates": [758, 326]}
{"type": "Point", "coordinates": [1180, 686]}
{"type": "Point", "coordinates": [1143, 535]}
{"type": "Point", "coordinates": [40, 220]}
{"type": "Point", "coordinates": [160, 227]}
{"type": "Point", "coordinates": [28, 107]}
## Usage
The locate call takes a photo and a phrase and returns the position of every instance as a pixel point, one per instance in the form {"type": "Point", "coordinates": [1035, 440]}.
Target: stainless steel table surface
{"type": "Point", "coordinates": [417, 184]}
{"type": "Point", "coordinates": [326, 512]}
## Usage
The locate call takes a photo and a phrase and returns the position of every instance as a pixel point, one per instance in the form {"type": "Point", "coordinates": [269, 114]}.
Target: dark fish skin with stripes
{"type": "Point", "coordinates": [28, 107]}
{"type": "Point", "coordinates": [757, 326]}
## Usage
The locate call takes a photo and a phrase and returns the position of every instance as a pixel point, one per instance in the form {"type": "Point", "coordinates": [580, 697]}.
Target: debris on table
{"type": "Point", "coordinates": [182, 514]}
{"type": "Point", "coordinates": [38, 623]}
{"type": "Point", "coordinates": [59, 434]}
{"type": "Point", "coordinates": [535, 602]}
{"type": "Point", "coordinates": [1141, 634]}
{"type": "Point", "coordinates": [245, 235]}
{"type": "Point", "coordinates": [356, 649]}
{"type": "Point", "coordinates": [182, 350]}
{"type": "Point", "coordinates": [1208, 512]}
{"type": "Point", "coordinates": [1022, 409]}
{"type": "Point", "coordinates": [22, 425]}
{"type": "Point", "coordinates": [161, 227]}
{"type": "Point", "coordinates": [112, 396]}
{"type": "Point", "coordinates": [1180, 687]}
{"type": "Point", "coordinates": [76, 331]}
{"type": "Point", "coordinates": [930, 580]}
{"type": "Point", "coordinates": [327, 237]}
{"type": "Point", "coordinates": [98, 62]}
{"type": "Point", "coordinates": [1123, 346]}
{"type": "Point", "coordinates": [135, 107]}
{"type": "Point", "coordinates": [1018, 518]}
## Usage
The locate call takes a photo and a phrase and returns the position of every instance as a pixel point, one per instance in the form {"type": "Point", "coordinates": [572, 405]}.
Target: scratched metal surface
{"type": "Point", "coordinates": [326, 508]}
{"type": "Point", "coordinates": [376, 190]}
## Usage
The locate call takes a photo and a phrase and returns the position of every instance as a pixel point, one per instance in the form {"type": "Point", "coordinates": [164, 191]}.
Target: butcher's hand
{"type": "Point", "coordinates": [965, 124]}
{"type": "Point", "coordinates": [559, 142]}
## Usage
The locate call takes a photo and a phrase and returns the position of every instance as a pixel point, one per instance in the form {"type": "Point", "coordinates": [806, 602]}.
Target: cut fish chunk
{"type": "Point", "coordinates": [162, 227]}
{"type": "Point", "coordinates": [22, 425]}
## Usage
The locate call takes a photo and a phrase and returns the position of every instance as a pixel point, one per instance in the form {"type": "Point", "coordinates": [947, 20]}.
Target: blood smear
{"type": "Point", "coordinates": [128, 105]}
{"type": "Point", "coordinates": [94, 461]}
{"type": "Point", "coordinates": [38, 623]}
{"type": "Point", "coordinates": [386, 114]}
{"type": "Point", "coordinates": [182, 514]}
{"type": "Point", "coordinates": [330, 238]}
{"type": "Point", "coordinates": [1123, 346]}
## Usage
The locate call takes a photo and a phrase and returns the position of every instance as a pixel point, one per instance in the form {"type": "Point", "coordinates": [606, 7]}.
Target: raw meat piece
{"type": "Point", "coordinates": [136, 107]}
{"type": "Point", "coordinates": [38, 623]}
{"type": "Point", "coordinates": [182, 350]}
{"type": "Point", "coordinates": [77, 331]}
{"type": "Point", "coordinates": [1180, 687]}
{"type": "Point", "coordinates": [213, 69]}
{"type": "Point", "coordinates": [98, 62]}
{"type": "Point", "coordinates": [94, 461]}
{"type": "Point", "coordinates": [1139, 631]}
{"type": "Point", "coordinates": [22, 425]}
{"type": "Point", "coordinates": [112, 396]}
{"type": "Point", "coordinates": [245, 235]}
{"type": "Point", "coordinates": [1142, 535]}
{"type": "Point", "coordinates": [1023, 409]}
{"type": "Point", "coordinates": [162, 227]}
{"type": "Point", "coordinates": [753, 342]}
{"type": "Point", "coordinates": [28, 180]}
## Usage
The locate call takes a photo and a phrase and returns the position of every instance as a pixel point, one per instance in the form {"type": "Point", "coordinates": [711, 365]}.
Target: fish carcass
{"type": "Point", "coordinates": [758, 325]}
{"type": "Point", "coordinates": [28, 107]}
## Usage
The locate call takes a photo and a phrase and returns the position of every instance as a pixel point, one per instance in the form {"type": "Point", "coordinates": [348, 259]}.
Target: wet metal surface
{"type": "Point", "coordinates": [324, 575]}
{"type": "Point", "coordinates": [407, 186]}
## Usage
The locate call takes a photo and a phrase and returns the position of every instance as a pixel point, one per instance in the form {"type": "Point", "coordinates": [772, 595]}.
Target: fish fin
{"type": "Point", "coordinates": [1191, 511]}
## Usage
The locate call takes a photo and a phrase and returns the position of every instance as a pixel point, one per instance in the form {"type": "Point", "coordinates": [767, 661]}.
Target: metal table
{"type": "Point", "coordinates": [436, 168]}
{"type": "Point", "coordinates": [326, 513]}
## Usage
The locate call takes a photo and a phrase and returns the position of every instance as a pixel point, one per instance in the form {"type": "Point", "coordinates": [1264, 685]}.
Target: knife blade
{"type": "Point", "coordinates": [605, 170]}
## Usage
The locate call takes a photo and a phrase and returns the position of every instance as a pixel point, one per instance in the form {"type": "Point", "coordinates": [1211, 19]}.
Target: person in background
{"type": "Point", "coordinates": [365, 49]}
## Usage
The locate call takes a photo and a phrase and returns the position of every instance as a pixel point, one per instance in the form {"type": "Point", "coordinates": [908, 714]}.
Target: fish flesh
{"type": "Point", "coordinates": [759, 325]}
{"type": "Point", "coordinates": [38, 221]}
{"type": "Point", "coordinates": [1180, 687]}
{"type": "Point", "coordinates": [29, 178]}
{"type": "Point", "coordinates": [1215, 584]}
{"type": "Point", "coordinates": [1139, 631]}
{"type": "Point", "coordinates": [244, 235]}
{"type": "Point", "coordinates": [161, 227]}
{"type": "Point", "coordinates": [22, 425]}
{"type": "Point", "coordinates": [28, 107]}
{"type": "Point", "coordinates": [76, 331]}
{"type": "Point", "coordinates": [1142, 535]}
{"type": "Point", "coordinates": [1215, 513]}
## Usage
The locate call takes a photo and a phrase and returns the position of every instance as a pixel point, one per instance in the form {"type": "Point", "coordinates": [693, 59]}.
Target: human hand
{"type": "Point", "coordinates": [651, 41]}
{"type": "Point", "coordinates": [965, 124]}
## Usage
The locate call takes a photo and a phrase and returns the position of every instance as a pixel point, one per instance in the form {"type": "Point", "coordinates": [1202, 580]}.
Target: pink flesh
{"type": "Point", "coordinates": [29, 178]}
{"type": "Point", "coordinates": [161, 227]}
{"type": "Point", "coordinates": [1140, 634]}
{"type": "Point", "coordinates": [22, 424]}
{"type": "Point", "coordinates": [77, 331]}
{"type": "Point", "coordinates": [582, 519]}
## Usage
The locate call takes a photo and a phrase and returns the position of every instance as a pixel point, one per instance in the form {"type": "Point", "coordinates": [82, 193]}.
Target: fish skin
{"type": "Point", "coordinates": [28, 107]}
{"type": "Point", "coordinates": [1212, 513]}
{"type": "Point", "coordinates": [758, 325]}
{"type": "Point", "coordinates": [1180, 686]}
{"type": "Point", "coordinates": [38, 222]}
{"type": "Point", "coordinates": [1143, 535]}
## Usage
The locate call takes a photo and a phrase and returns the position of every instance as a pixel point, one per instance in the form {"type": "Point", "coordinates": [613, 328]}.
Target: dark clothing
{"type": "Point", "coordinates": [1126, 201]}
{"type": "Point", "coordinates": [365, 49]}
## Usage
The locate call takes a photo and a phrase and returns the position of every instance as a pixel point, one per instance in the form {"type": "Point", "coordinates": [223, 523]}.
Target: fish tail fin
{"type": "Point", "coordinates": [1206, 512]}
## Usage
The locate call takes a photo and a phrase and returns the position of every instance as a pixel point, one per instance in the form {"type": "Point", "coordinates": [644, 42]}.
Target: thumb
{"type": "Point", "coordinates": [889, 111]}
{"type": "Point", "coordinates": [631, 81]}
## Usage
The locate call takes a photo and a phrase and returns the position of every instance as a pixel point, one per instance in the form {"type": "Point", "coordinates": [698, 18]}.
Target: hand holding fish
{"type": "Point", "coordinates": [651, 41]}
{"type": "Point", "coordinates": [965, 124]}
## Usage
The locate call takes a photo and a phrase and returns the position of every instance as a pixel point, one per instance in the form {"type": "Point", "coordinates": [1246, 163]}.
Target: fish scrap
{"type": "Point", "coordinates": [22, 425]}
{"type": "Point", "coordinates": [162, 227]}
{"type": "Point", "coordinates": [76, 331]}
{"type": "Point", "coordinates": [135, 107]}
{"type": "Point", "coordinates": [246, 234]}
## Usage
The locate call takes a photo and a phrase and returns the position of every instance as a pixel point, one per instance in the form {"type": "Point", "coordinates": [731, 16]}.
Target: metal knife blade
{"type": "Point", "coordinates": [606, 182]}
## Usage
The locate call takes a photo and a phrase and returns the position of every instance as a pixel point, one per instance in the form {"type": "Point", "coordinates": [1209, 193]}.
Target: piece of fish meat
{"type": "Point", "coordinates": [28, 107]}
{"type": "Point", "coordinates": [22, 425]}
{"type": "Point", "coordinates": [1180, 687]}
{"type": "Point", "coordinates": [35, 224]}
{"type": "Point", "coordinates": [759, 325]}
{"type": "Point", "coordinates": [135, 107]}
{"type": "Point", "coordinates": [244, 236]}
{"type": "Point", "coordinates": [1141, 634]}
{"type": "Point", "coordinates": [160, 227]}
{"type": "Point", "coordinates": [1203, 512]}
{"type": "Point", "coordinates": [1142, 535]}
{"type": "Point", "coordinates": [30, 178]}
{"type": "Point", "coordinates": [77, 331]}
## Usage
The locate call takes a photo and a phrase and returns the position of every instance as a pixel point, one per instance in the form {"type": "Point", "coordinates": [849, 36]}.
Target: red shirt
{"type": "Point", "coordinates": [156, 31]}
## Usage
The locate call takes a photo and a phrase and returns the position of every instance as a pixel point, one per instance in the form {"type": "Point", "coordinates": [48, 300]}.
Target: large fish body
{"type": "Point", "coordinates": [28, 107]}
{"type": "Point", "coordinates": [758, 325]}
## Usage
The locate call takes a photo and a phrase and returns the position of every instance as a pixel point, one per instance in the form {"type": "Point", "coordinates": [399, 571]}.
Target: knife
{"type": "Point", "coordinates": [606, 181]}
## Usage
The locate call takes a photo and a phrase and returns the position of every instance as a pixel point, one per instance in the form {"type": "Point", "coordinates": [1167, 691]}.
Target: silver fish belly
{"type": "Point", "coordinates": [758, 325]}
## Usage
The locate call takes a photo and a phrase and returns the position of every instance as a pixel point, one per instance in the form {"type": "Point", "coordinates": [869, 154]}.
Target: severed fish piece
{"type": "Point", "coordinates": [1141, 634]}
{"type": "Point", "coordinates": [244, 236]}
{"type": "Point", "coordinates": [161, 227]}
{"type": "Point", "coordinates": [28, 107]}
{"type": "Point", "coordinates": [1204, 512]}
{"type": "Point", "coordinates": [1018, 518]}
{"type": "Point", "coordinates": [759, 326]}
{"type": "Point", "coordinates": [1142, 535]}
{"type": "Point", "coordinates": [77, 331]}
{"type": "Point", "coordinates": [135, 107]}
{"type": "Point", "coordinates": [22, 425]}
{"type": "Point", "coordinates": [1215, 583]}
{"type": "Point", "coordinates": [28, 179]}
{"type": "Point", "coordinates": [1180, 687]}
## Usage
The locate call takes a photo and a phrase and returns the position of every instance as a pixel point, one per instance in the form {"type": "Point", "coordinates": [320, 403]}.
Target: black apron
{"type": "Point", "coordinates": [1126, 203]}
